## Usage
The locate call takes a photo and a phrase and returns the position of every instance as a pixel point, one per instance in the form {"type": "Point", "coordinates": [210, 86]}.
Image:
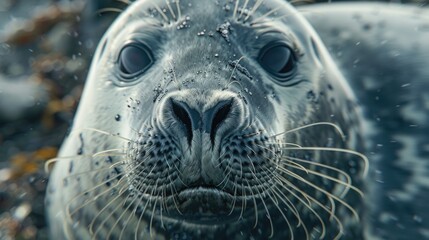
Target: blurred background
{"type": "Point", "coordinates": [45, 50]}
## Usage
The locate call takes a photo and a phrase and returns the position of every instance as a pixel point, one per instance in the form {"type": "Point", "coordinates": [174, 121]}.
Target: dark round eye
{"type": "Point", "coordinates": [278, 59]}
{"type": "Point", "coordinates": [134, 59]}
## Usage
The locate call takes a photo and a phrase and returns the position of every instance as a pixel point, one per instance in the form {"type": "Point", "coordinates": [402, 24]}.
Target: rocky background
{"type": "Point", "coordinates": [45, 50]}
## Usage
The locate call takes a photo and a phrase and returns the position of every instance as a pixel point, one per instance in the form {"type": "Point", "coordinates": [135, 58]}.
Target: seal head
{"type": "Point", "coordinates": [207, 120]}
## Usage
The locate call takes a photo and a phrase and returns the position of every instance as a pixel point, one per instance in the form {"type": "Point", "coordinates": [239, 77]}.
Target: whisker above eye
{"type": "Point", "coordinates": [235, 9]}
{"type": "Point", "coordinates": [254, 8]}
{"type": "Point", "coordinates": [243, 8]}
{"type": "Point", "coordinates": [170, 9]}
{"type": "Point", "coordinates": [255, 21]}
{"type": "Point", "coordinates": [158, 9]}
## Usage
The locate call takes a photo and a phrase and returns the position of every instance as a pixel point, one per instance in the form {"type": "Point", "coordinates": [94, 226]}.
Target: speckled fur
{"type": "Point", "coordinates": [123, 182]}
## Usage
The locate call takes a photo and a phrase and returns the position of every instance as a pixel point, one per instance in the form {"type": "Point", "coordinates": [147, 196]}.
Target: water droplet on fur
{"type": "Point", "coordinates": [227, 8]}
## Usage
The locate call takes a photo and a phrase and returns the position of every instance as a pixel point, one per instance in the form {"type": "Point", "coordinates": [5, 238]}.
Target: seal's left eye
{"type": "Point", "coordinates": [134, 60]}
{"type": "Point", "coordinates": [278, 59]}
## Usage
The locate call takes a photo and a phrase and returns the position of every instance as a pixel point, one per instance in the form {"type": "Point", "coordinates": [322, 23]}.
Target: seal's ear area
{"type": "Point", "coordinates": [279, 60]}
{"type": "Point", "coordinates": [134, 59]}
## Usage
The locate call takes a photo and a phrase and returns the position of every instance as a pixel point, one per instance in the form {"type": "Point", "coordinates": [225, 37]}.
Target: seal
{"type": "Point", "coordinates": [203, 120]}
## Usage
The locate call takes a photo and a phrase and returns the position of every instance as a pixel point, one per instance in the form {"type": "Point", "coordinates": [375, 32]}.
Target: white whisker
{"type": "Point", "coordinates": [336, 127]}
{"type": "Point", "coordinates": [360, 155]}
{"type": "Point", "coordinates": [232, 73]}
{"type": "Point", "coordinates": [109, 9]}
{"type": "Point", "coordinates": [255, 7]}
{"type": "Point", "coordinates": [170, 9]}
{"type": "Point", "coordinates": [179, 13]}
{"type": "Point", "coordinates": [342, 173]}
{"type": "Point", "coordinates": [264, 16]}
{"type": "Point", "coordinates": [243, 8]}
{"type": "Point", "coordinates": [167, 20]}
{"type": "Point", "coordinates": [235, 9]}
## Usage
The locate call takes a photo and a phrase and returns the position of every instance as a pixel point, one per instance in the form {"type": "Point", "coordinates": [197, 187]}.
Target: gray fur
{"type": "Point", "coordinates": [200, 60]}
{"type": "Point", "coordinates": [383, 52]}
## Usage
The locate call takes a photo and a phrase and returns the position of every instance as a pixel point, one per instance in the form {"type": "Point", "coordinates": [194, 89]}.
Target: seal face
{"type": "Point", "coordinates": [215, 121]}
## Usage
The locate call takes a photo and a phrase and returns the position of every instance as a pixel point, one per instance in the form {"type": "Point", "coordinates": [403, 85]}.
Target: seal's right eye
{"type": "Point", "coordinates": [134, 59]}
{"type": "Point", "coordinates": [279, 60]}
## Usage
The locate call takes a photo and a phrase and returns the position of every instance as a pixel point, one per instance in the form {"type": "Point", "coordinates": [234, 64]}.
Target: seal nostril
{"type": "Point", "coordinates": [220, 115]}
{"type": "Point", "coordinates": [193, 119]}
{"type": "Point", "coordinates": [183, 116]}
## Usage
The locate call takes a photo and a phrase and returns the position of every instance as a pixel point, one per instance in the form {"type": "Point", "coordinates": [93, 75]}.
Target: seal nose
{"type": "Point", "coordinates": [209, 120]}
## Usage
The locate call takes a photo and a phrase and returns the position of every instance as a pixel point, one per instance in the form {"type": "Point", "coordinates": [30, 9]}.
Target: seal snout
{"type": "Point", "coordinates": [185, 115]}
{"type": "Point", "coordinates": [208, 121]}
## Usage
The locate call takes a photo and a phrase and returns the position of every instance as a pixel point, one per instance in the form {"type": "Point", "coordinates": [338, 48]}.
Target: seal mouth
{"type": "Point", "coordinates": [203, 205]}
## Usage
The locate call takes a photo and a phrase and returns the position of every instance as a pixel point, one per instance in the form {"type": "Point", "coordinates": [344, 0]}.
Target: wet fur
{"type": "Point", "coordinates": [121, 179]}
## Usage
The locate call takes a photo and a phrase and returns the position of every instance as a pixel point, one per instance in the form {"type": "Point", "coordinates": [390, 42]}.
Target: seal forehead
{"type": "Point", "coordinates": [209, 12]}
